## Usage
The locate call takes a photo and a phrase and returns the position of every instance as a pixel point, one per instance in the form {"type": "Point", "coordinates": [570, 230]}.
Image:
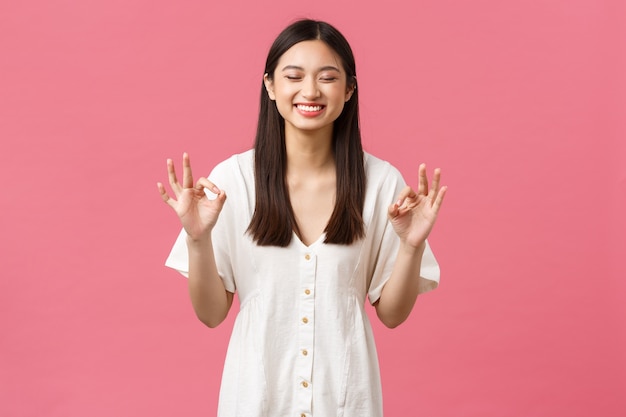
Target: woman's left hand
{"type": "Point", "coordinates": [413, 215]}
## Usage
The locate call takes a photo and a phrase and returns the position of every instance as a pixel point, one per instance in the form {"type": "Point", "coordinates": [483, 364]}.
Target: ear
{"type": "Point", "coordinates": [269, 86]}
{"type": "Point", "coordinates": [350, 90]}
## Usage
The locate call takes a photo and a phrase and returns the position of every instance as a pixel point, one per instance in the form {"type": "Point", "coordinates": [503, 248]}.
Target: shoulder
{"type": "Point", "coordinates": [237, 166]}
{"type": "Point", "coordinates": [381, 174]}
{"type": "Point", "coordinates": [235, 176]}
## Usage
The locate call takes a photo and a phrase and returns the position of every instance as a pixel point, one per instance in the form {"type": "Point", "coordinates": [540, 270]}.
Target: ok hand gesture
{"type": "Point", "coordinates": [197, 213]}
{"type": "Point", "coordinates": [413, 215]}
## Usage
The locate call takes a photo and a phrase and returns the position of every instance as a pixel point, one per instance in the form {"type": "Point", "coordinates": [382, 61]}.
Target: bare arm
{"type": "Point", "coordinates": [198, 216]}
{"type": "Point", "coordinates": [400, 292]}
{"type": "Point", "coordinates": [209, 298]}
{"type": "Point", "coordinates": [413, 217]}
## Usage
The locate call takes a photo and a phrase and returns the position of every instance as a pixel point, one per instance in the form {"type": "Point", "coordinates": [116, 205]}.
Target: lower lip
{"type": "Point", "coordinates": [310, 113]}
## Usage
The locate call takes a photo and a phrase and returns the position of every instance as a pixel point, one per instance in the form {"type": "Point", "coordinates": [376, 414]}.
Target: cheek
{"type": "Point", "coordinates": [336, 94]}
{"type": "Point", "coordinates": [283, 96]}
{"type": "Point", "coordinates": [339, 98]}
{"type": "Point", "coordinates": [283, 106]}
{"type": "Point", "coordinates": [283, 89]}
{"type": "Point", "coordinates": [283, 109]}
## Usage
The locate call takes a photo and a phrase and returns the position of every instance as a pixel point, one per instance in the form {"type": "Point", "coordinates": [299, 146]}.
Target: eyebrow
{"type": "Point", "coordinates": [326, 68]}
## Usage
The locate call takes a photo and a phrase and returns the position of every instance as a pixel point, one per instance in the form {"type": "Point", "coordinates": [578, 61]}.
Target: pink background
{"type": "Point", "coordinates": [522, 104]}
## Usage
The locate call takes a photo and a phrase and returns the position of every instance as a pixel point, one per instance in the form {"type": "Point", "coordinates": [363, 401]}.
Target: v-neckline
{"type": "Point", "coordinates": [321, 238]}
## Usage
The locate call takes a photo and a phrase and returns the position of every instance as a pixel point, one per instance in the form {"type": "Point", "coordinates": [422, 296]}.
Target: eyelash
{"type": "Point", "coordinates": [298, 78]}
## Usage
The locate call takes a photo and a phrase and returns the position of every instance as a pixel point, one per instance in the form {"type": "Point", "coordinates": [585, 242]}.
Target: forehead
{"type": "Point", "coordinates": [310, 55]}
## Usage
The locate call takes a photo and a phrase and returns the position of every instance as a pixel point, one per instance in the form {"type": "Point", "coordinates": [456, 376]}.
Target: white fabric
{"type": "Point", "coordinates": [302, 343]}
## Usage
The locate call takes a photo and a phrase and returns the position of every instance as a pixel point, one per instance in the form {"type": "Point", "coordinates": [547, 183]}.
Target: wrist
{"type": "Point", "coordinates": [201, 242]}
{"type": "Point", "coordinates": [413, 250]}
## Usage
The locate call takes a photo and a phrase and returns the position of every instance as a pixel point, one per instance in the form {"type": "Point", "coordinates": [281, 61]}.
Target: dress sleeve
{"type": "Point", "coordinates": [389, 243]}
{"type": "Point", "coordinates": [221, 235]}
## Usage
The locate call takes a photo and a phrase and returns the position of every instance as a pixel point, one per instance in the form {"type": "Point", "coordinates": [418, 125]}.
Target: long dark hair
{"type": "Point", "coordinates": [273, 221]}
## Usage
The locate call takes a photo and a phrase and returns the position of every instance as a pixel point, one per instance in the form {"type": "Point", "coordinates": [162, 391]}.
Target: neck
{"type": "Point", "coordinates": [309, 151]}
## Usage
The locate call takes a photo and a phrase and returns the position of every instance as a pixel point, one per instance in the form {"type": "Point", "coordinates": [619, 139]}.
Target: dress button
{"type": "Point", "coordinates": [302, 415]}
{"type": "Point", "coordinates": [305, 320]}
{"type": "Point", "coordinates": [305, 384]}
{"type": "Point", "coordinates": [304, 352]}
{"type": "Point", "coordinates": [307, 292]}
{"type": "Point", "coordinates": [307, 256]}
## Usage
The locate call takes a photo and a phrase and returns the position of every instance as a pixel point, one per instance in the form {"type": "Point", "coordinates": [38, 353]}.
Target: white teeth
{"type": "Point", "coordinates": [309, 108]}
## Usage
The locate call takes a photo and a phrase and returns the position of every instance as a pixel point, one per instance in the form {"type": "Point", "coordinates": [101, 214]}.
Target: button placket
{"type": "Point", "coordinates": [306, 329]}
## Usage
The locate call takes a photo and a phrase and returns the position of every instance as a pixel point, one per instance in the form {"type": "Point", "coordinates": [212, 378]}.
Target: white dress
{"type": "Point", "coordinates": [302, 344]}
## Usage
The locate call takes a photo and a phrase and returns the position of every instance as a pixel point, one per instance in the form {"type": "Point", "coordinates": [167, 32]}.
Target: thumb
{"type": "Point", "coordinates": [393, 211]}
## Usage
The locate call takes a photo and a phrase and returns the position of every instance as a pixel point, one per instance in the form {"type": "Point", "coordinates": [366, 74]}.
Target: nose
{"type": "Point", "coordinates": [310, 89]}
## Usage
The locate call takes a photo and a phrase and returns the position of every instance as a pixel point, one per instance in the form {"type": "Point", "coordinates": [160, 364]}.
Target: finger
{"type": "Point", "coordinates": [220, 195]}
{"type": "Point", "coordinates": [393, 210]}
{"type": "Point", "coordinates": [187, 176]}
{"type": "Point", "coordinates": [439, 199]}
{"type": "Point", "coordinates": [171, 175]}
{"type": "Point", "coordinates": [164, 196]}
{"type": "Point", "coordinates": [407, 192]}
{"type": "Point", "coordinates": [205, 183]}
{"type": "Point", "coordinates": [434, 187]}
{"type": "Point", "coordinates": [423, 180]}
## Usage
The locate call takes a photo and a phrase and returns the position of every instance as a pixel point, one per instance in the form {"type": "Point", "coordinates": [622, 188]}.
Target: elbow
{"type": "Point", "coordinates": [392, 323]}
{"type": "Point", "coordinates": [391, 320]}
{"type": "Point", "coordinates": [211, 313]}
{"type": "Point", "coordinates": [209, 321]}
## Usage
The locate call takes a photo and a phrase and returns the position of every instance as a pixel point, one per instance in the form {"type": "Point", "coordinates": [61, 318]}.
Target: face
{"type": "Point", "coordinates": [309, 87]}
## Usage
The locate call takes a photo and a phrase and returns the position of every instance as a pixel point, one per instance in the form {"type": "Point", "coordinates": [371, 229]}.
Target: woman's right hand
{"type": "Point", "coordinates": [198, 214]}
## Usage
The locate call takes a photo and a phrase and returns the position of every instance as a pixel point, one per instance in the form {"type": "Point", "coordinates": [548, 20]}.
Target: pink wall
{"type": "Point", "coordinates": [522, 103]}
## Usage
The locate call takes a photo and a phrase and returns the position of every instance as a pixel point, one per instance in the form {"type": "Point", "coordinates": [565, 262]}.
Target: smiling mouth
{"type": "Point", "coordinates": [303, 107]}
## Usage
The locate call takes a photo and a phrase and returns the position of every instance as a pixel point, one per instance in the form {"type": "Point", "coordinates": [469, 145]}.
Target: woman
{"type": "Point", "coordinates": [312, 226]}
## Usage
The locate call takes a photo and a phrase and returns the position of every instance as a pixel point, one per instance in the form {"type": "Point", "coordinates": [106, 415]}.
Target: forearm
{"type": "Point", "coordinates": [209, 298]}
{"type": "Point", "coordinates": [400, 292]}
